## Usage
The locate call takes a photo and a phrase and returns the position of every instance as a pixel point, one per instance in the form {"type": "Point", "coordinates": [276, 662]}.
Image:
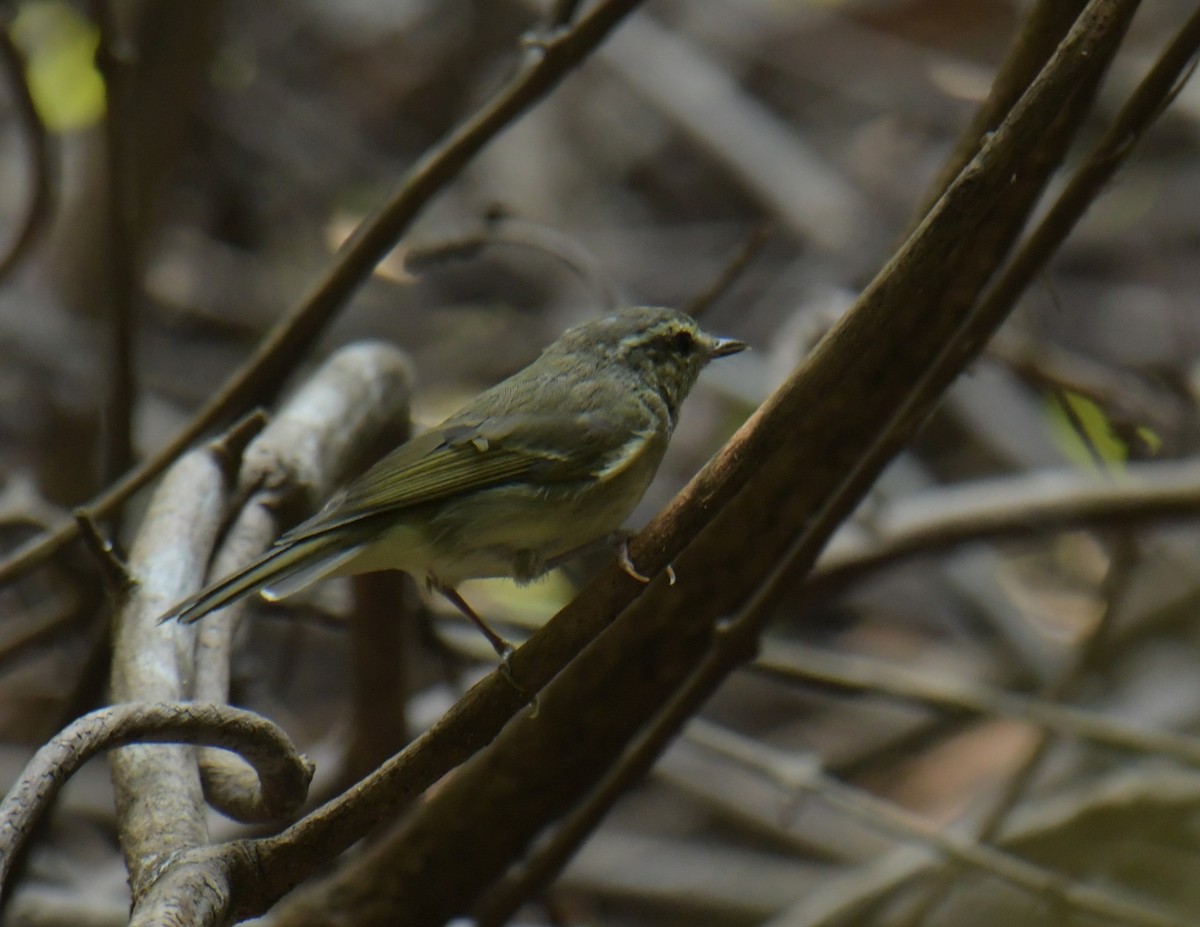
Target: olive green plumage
{"type": "Point", "coordinates": [537, 466]}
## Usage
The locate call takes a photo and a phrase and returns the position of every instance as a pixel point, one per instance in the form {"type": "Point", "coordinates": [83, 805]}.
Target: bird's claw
{"type": "Point", "coordinates": [626, 564]}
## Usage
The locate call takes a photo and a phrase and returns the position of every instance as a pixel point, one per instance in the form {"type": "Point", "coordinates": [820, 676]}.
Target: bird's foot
{"type": "Point", "coordinates": [626, 564]}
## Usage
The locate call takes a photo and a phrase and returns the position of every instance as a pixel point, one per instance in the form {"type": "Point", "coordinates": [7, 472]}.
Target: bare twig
{"type": "Point", "coordinates": [510, 231]}
{"type": "Point", "coordinates": [1008, 507]}
{"type": "Point", "coordinates": [1115, 586]}
{"type": "Point", "coordinates": [1042, 29]}
{"type": "Point", "coordinates": [160, 807]}
{"type": "Point", "coordinates": [229, 447]}
{"type": "Point", "coordinates": [41, 157]}
{"type": "Point", "coordinates": [1131, 122]}
{"type": "Point", "coordinates": [861, 674]}
{"type": "Point", "coordinates": [121, 259]}
{"type": "Point", "coordinates": [808, 196]}
{"type": "Point", "coordinates": [537, 872]}
{"type": "Point", "coordinates": [750, 249]}
{"type": "Point", "coordinates": [1118, 141]}
{"type": "Point", "coordinates": [116, 577]}
{"type": "Point", "coordinates": [1124, 395]}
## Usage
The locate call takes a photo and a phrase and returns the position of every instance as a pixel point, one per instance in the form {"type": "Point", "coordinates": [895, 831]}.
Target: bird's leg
{"type": "Point", "coordinates": [502, 647]}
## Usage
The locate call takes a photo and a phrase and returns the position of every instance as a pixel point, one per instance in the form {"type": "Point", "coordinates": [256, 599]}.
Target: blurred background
{"type": "Point", "coordinates": [262, 133]}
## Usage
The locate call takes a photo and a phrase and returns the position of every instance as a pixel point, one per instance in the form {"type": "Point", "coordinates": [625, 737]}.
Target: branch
{"type": "Point", "coordinates": [824, 423]}
{"type": "Point", "coordinates": [1007, 507]}
{"type": "Point", "coordinates": [121, 259]}
{"type": "Point", "coordinates": [41, 156]}
{"type": "Point", "coordinates": [860, 674]}
{"type": "Point", "coordinates": [1043, 28]}
{"type": "Point", "coordinates": [160, 808]}
{"type": "Point", "coordinates": [282, 772]}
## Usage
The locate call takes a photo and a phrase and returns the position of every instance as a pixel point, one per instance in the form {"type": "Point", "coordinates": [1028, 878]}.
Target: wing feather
{"type": "Point", "coordinates": [464, 457]}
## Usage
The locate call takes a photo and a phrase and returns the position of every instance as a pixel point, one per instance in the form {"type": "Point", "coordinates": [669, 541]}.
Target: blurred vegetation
{"type": "Point", "coordinates": [257, 136]}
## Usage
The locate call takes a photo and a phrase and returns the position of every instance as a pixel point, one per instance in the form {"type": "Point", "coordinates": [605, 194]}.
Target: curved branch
{"type": "Point", "coordinates": [283, 773]}
{"type": "Point", "coordinates": [516, 232]}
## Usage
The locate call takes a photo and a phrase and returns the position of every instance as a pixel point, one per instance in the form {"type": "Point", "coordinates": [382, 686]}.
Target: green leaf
{"type": "Point", "coordinates": [1150, 438]}
{"type": "Point", "coordinates": [1082, 431]}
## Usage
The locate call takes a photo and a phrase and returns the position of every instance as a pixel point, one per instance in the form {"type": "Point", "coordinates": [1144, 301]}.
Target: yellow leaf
{"type": "Point", "coordinates": [60, 51]}
{"type": "Point", "coordinates": [1097, 437]}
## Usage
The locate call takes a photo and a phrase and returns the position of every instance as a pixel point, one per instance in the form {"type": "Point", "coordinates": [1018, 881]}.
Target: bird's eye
{"type": "Point", "coordinates": [684, 343]}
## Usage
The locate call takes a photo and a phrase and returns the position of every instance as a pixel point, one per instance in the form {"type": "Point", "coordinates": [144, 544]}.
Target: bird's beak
{"type": "Point", "coordinates": [723, 347]}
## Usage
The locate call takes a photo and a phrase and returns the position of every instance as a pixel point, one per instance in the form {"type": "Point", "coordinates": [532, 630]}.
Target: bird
{"type": "Point", "coordinates": [544, 464]}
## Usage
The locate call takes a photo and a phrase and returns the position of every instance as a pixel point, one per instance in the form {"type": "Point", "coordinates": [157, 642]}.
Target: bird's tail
{"type": "Point", "coordinates": [285, 568]}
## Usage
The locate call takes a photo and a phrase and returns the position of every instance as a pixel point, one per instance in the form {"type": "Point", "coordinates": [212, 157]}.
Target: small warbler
{"type": "Point", "coordinates": [540, 466]}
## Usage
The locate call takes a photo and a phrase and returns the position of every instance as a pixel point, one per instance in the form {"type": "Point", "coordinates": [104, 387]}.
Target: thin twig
{"type": "Point", "coordinates": [1042, 29]}
{"type": "Point", "coordinates": [121, 258]}
{"type": "Point", "coordinates": [548, 860]}
{"type": "Point", "coordinates": [41, 156]}
{"type": "Point", "coordinates": [1025, 505]}
{"type": "Point", "coordinates": [859, 674]}
{"type": "Point", "coordinates": [112, 568]}
{"type": "Point", "coordinates": [1144, 105]}
{"type": "Point", "coordinates": [807, 194]}
{"type": "Point", "coordinates": [520, 233]}
{"type": "Point", "coordinates": [1139, 112]}
{"type": "Point", "coordinates": [750, 249]}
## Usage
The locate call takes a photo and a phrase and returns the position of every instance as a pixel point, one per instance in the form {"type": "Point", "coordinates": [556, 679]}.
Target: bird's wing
{"type": "Point", "coordinates": [468, 456]}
